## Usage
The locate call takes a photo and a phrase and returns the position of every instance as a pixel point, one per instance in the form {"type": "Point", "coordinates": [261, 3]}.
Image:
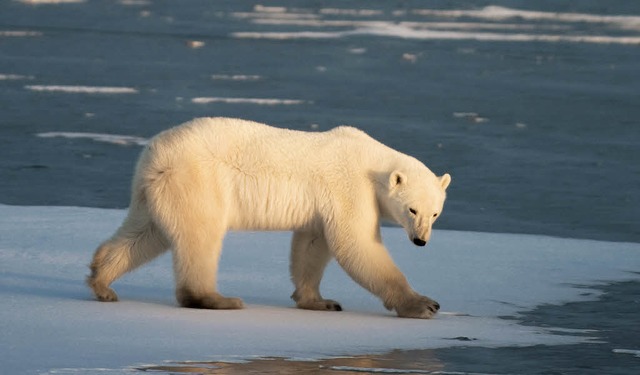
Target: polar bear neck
{"type": "Point", "coordinates": [384, 162]}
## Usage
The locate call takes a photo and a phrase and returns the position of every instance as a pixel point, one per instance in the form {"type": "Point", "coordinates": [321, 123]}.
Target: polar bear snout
{"type": "Point", "coordinates": [419, 235]}
{"type": "Point", "coordinates": [419, 242]}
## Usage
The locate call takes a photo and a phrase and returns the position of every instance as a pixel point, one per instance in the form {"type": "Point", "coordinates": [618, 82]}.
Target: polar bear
{"type": "Point", "coordinates": [198, 180]}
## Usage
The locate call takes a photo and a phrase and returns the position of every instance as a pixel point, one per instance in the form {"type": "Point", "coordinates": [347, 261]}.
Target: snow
{"type": "Point", "coordinates": [51, 324]}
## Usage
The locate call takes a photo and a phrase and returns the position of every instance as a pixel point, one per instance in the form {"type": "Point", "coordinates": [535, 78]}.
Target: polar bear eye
{"type": "Point", "coordinates": [413, 212]}
{"type": "Point", "coordinates": [435, 215]}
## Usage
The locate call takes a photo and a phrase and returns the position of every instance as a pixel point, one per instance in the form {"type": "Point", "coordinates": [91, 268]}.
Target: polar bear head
{"type": "Point", "coordinates": [415, 201]}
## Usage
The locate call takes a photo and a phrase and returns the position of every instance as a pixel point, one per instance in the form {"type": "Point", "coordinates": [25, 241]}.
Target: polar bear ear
{"type": "Point", "coordinates": [445, 180]}
{"type": "Point", "coordinates": [396, 178]}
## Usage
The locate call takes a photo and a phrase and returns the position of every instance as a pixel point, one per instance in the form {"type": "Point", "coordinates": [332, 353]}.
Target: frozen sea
{"type": "Point", "coordinates": [532, 107]}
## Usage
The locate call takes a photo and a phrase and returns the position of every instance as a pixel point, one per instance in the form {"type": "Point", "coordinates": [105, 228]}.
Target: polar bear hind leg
{"type": "Point", "coordinates": [195, 262]}
{"type": "Point", "coordinates": [192, 215]}
{"type": "Point", "coordinates": [136, 242]}
{"type": "Point", "coordinates": [309, 257]}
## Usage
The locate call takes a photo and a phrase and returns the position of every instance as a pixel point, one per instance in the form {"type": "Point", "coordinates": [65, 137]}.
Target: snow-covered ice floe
{"type": "Point", "coordinates": [49, 320]}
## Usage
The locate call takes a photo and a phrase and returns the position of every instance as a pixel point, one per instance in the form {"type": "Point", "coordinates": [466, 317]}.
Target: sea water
{"type": "Point", "coordinates": [532, 107]}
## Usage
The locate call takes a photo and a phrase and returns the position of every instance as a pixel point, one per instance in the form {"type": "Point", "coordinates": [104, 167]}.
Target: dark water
{"type": "Point", "coordinates": [553, 147]}
{"type": "Point", "coordinates": [541, 134]}
{"type": "Point", "coordinates": [614, 316]}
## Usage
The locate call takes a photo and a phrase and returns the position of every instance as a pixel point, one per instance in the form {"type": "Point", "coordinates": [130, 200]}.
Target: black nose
{"type": "Point", "coordinates": [419, 242]}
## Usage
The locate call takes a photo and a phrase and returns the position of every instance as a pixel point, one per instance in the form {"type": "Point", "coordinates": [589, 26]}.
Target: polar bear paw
{"type": "Point", "coordinates": [102, 292]}
{"type": "Point", "coordinates": [313, 301]}
{"type": "Point", "coordinates": [214, 301]}
{"type": "Point", "coordinates": [320, 305]}
{"type": "Point", "coordinates": [420, 307]}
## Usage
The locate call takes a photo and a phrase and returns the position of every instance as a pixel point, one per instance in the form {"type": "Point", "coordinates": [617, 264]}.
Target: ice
{"type": "Point", "coordinates": [488, 25]}
{"type": "Point", "coordinates": [269, 9]}
{"type": "Point", "coordinates": [491, 13]}
{"type": "Point", "coordinates": [258, 101]}
{"type": "Point", "coordinates": [236, 77]}
{"type": "Point", "coordinates": [351, 12]}
{"type": "Point", "coordinates": [627, 351]}
{"type": "Point", "coordinates": [135, 2]}
{"type": "Point", "coordinates": [19, 33]}
{"type": "Point", "coordinates": [40, 2]}
{"type": "Point", "coordinates": [82, 89]}
{"type": "Point", "coordinates": [14, 77]}
{"type": "Point", "coordinates": [405, 32]}
{"type": "Point", "coordinates": [51, 324]}
{"type": "Point", "coordinates": [122, 140]}
{"type": "Point", "coordinates": [287, 35]}
{"type": "Point", "coordinates": [498, 13]}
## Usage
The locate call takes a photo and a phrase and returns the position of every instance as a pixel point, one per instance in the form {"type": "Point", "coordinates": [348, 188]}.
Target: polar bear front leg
{"type": "Point", "coordinates": [309, 257]}
{"type": "Point", "coordinates": [368, 263]}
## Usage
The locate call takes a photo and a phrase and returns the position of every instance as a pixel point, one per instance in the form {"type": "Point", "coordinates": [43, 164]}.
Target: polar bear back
{"type": "Point", "coordinates": [272, 178]}
{"type": "Point", "coordinates": [250, 145]}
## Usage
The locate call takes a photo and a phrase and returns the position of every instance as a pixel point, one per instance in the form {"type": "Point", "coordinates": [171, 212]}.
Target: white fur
{"type": "Point", "coordinates": [198, 180]}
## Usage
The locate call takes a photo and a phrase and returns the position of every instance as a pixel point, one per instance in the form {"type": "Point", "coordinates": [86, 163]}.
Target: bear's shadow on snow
{"type": "Point", "coordinates": [75, 289]}
{"type": "Point", "coordinates": [43, 286]}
